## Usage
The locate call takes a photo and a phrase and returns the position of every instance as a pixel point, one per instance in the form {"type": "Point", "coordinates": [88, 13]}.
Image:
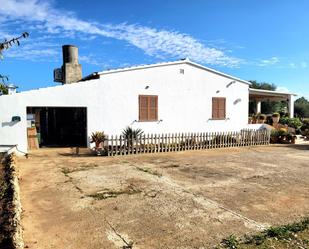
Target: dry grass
{"type": "Point", "coordinates": [294, 235]}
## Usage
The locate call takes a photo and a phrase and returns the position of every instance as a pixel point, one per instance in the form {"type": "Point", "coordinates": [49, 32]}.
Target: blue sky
{"type": "Point", "coordinates": [255, 40]}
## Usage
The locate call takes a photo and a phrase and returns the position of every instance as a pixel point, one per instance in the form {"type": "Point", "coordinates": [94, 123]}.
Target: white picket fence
{"type": "Point", "coordinates": [155, 143]}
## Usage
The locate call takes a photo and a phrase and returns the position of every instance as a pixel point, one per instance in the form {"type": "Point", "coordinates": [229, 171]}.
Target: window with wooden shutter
{"type": "Point", "coordinates": [218, 108]}
{"type": "Point", "coordinates": [148, 107]}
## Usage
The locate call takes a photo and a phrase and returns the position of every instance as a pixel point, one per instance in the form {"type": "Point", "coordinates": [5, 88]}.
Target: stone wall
{"type": "Point", "coordinates": [10, 227]}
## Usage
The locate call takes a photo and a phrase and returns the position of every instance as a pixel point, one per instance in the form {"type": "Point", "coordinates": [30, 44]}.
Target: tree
{"type": "Point", "coordinates": [3, 86]}
{"type": "Point", "coordinates": [6, 44]}
{"type": "Point", "coordinates": [301, 108]}
{"type": "Point", "coordinates": [262, 85]}
{"type": "Point", "coordinates": [269, 106]}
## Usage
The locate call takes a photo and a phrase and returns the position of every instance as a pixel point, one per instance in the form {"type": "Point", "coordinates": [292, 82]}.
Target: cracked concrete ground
{"type": "Point", "coordinates": [186, 200]}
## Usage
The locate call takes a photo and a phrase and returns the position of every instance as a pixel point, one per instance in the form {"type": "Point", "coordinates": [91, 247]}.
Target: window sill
{"type": "Point", "coordinates": [140, 121]}
{"type": "Point", "coordinates": [222, 119]}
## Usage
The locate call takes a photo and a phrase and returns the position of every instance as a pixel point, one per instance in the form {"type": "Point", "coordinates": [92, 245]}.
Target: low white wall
{"type": "Point", "coordinates": [184, 102]}
{"type": "Point", "coordinates": [259, 126]}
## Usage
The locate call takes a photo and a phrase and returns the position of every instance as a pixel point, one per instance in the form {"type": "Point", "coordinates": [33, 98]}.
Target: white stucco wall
{"type": "Point", "coordinates": [184, 102]}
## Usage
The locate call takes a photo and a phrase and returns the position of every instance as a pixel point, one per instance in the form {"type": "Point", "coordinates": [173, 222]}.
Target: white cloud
{"type": "Point", "coordinates": [294, 65]}
{"type": "Point", "coordinates": [154, 42]}
{"type": "Point", "coordinates": [269, 62]}
{"type": "Point", "coordinates": [33, 54]}
{"type": "Point", "coordinates": [91, 59]}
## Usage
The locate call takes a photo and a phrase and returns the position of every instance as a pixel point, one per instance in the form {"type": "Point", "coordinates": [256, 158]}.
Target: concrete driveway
{"type": "Point", "coordinates": [187, 199]}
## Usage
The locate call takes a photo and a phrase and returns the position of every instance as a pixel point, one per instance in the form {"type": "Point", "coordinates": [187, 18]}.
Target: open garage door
{"type": "Point", "coordinates": [60, 126]}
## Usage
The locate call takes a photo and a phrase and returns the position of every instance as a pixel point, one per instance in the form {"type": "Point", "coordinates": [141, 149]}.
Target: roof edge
{"type": "Point", "coordinates": [270, 91]}
{"type": "Point", "coordinates": [184, 61]}
{"type": "Point", "coordinates": [217, 72]}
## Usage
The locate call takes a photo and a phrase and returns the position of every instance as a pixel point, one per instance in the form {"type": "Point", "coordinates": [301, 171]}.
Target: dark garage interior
{"type": "Point", "coordinates": [59, 126]}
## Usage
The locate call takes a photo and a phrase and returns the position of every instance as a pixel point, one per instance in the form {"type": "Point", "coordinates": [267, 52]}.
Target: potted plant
{"type": "Point", "coordinates": [290, 138]}
{"type": "Point", "coordinates": [262, 118]}
{"type": "Point", "coordinates": [98, 138]}
{"type": "Point", "coordinates": [254, 119]}
{"type": "Point", "coordinates": [276, 118]}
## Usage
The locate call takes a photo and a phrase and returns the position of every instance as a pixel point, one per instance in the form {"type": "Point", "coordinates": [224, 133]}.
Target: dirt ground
{"type": "Point", "coordinates": [181, 200]}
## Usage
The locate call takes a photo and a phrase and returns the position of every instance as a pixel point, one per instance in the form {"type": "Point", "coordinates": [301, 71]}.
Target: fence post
{"type": "Point", "coordinates": [112, 145]}
{"type": "Point", "coordinates": [181, 141]}
{"type": "Point", "coordinates": [198, 141]}
{"type": "Point", "coordinates": [116, 145]}
{"type": "Point", "coordinates": [153, 143]}
{"type": "Point", "coordinates": [210, 140]}
{"type": "Point", "coordinates": [139, 139]}
{"type": "Point", "coordinates": [148, 143]}
{"type": "Point", "coordinates": [173, 142]}
{"type": "Point", "coordinates": [193, 140]}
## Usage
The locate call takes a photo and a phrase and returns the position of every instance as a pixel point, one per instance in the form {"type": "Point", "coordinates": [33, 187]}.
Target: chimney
{"type": "Point", "coordinates": [11, 89]}
{"type": "Point", "coordinates": [71, 70]}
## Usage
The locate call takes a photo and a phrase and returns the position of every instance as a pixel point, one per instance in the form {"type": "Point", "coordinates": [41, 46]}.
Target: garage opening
{"type": "Point", "coordinates": [57, 126]}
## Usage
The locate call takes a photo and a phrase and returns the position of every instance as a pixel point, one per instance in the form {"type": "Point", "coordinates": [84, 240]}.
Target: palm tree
{"type": "Point", "coordinates": [3, 89]}
{"type": "Point", "coordinates": [131, 134]}
{"type": "Point", "coordinates": [98, 137]}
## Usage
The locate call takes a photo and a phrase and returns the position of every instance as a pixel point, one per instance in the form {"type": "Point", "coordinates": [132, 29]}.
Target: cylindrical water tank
{"type": "Point", "coordinates": [70, 54]}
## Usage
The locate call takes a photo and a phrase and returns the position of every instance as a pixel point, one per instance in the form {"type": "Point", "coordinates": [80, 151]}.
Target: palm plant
{"type": "Point", "coordinates": [131, 134]}
{"type": "Point", "coordinates": [98, 137]}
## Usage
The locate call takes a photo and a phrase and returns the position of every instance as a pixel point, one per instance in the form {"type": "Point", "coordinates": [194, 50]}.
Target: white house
{"type": "Point", "coordinates": [171, 97]}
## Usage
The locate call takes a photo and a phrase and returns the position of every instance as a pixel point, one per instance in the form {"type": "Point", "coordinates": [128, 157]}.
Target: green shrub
{"type": "Point", "coordinates": [231, 242]}
{"type": "Point", "coordinates": [291, 122]}
{"type": "Point", "coordinates": [130, 133]}
{"type": "Point", "coordinates": [305, 125]}
{"type": "Point", "coordinates": [281, 135]}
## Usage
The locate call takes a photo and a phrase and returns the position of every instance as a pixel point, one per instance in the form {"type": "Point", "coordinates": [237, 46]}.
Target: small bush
{"type": "Point", "coordinates": [130, 133]}
{"type": "Point", "coordinates": [281, 135]}
{"type": "Point", "coordinates": [291, 122]}
{"type": "Point", "coordinates": [305, 125]}
{"type": "Point", "coordinates": [231, 242]}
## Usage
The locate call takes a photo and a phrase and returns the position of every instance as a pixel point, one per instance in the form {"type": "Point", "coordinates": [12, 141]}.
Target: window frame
{"type": "Point", "coordinates": [148, 119]}
{"type": "Point", "coordinates": [218, 117]}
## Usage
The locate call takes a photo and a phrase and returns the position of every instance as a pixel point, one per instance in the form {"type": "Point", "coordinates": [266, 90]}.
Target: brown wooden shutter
{"type": "Point", "coordinates": [148, 108]}
{"type": "Point", "coordinates": [143, 108]}
{"type": "Point", "coordinates": [221, 111]}
{"type": "Point", "coordinates": [153, 108]}
{"type": "Point", "coordinates": [214, 108]}
{"type": "Point", "coordinates": [218, 108]}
